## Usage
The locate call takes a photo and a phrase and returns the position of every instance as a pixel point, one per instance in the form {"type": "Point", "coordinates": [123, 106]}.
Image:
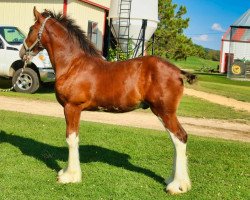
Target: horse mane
{"type": "Point", "coordinates": [74, 31]}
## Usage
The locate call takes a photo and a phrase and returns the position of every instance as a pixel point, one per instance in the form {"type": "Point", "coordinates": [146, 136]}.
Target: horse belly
{"type": "Point", "coordinates": [118, 102]}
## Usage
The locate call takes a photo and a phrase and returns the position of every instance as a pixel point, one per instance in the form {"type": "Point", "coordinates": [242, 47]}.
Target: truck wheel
{"type": "Point", "coordinates": [28, 82]}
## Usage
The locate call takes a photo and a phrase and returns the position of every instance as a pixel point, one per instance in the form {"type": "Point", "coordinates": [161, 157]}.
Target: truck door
{"type": "Point", "coordinates": [2, 55]}
{"type": "Point", "coordinates": [9, 53]}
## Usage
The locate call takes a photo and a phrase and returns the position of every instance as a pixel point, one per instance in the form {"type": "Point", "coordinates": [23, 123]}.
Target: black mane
{"type": "Point", "coordinates": [74, 31]}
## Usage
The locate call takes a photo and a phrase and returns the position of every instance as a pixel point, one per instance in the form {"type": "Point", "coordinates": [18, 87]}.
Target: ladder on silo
{"type": "Point", "coordinates": [124, 24]}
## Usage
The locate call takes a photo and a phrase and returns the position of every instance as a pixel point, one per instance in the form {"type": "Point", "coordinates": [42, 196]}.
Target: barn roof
{"type": "Point", "coordinates": [240, 29]}
{"type": "Point", "coordinates": [243, 21]}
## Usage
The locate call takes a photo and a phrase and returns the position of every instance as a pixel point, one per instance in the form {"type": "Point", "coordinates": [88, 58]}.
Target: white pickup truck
{"type": "Point", "coordinates": [39, 71]}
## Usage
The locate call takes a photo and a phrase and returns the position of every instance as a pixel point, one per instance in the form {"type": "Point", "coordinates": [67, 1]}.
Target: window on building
{"type": "Point", "coordinates": [92, 31]}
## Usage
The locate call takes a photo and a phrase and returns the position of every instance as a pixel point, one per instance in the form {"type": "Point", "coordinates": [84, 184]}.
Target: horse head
{"type": "Point", "coordinates": [36, 38]}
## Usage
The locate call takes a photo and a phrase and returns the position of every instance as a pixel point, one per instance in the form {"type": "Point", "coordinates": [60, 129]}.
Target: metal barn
{"type": "Point", "coordinates": [235, 49]}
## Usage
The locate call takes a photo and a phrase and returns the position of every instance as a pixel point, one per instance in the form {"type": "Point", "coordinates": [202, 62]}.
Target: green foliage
{"type": "Point", "coordinates": [212, 54]}
{"type": "Point", "coordinates": [170, 41]}
{"type": "Point", "coordinates": [198, 51]}
{"type": "Point", "coordinates": [117, 162]}
{"type": "Point", "coordinates": [117, 53]}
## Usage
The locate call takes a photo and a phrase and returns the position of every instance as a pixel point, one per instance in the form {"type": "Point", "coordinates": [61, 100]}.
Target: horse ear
{"type": "Point", "coordinates": [37, 15]}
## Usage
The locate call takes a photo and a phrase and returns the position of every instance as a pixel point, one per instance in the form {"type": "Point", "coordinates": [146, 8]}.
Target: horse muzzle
{"type": "Point", "coordinates": [26, 55]}
{"type": "Point", "coordinates": [22, 52]}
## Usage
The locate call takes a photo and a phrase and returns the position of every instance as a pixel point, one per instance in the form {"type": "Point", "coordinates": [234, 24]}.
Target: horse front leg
{"type": "Point", "coordinates": [72, 173]}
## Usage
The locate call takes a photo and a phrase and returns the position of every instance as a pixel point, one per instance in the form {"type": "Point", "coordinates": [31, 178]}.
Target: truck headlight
{"type": "Point", "coordinates": [41, 57]}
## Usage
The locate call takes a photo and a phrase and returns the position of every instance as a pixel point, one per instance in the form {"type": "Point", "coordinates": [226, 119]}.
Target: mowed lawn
{"type": "Point", "coordinates": [117, 162]}
{"type": "Point", "coordinates": [221, 85]}
{"type": "Point", "coordinates": [214, 82]}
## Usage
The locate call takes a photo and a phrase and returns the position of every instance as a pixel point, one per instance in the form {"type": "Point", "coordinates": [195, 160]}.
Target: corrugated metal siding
{"type": "Point", "coordinates": [240, 50]}
{"type": "Point", "coordinates": [105, 3]}
{"type": "Point", "coordinates": [83, 12]}
{"type": "Point", "coordinates": [20, 13]}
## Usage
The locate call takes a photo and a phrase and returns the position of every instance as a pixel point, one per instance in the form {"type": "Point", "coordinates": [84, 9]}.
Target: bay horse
{"type": "Point", "coordinates": [86, 81]}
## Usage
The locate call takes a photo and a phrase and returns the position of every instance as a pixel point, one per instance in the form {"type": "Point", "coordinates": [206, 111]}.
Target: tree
{"type": "Point", "coordinates": [212, 54]}
{"type": "Point", "coordinates": [170, 40]}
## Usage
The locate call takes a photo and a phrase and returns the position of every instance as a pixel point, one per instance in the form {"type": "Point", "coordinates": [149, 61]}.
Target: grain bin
{"type": "Point", "coordinates": [133, 20]}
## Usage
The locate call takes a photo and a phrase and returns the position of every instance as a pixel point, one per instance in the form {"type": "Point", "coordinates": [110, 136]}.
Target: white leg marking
{"type": "Point", "coordinates": [180, 182]}
{"type": "Point", "coordinates": [72, 173]}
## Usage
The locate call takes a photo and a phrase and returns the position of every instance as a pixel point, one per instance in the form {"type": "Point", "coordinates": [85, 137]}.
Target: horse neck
{"type": "Point", "coordinates": [61, 49]}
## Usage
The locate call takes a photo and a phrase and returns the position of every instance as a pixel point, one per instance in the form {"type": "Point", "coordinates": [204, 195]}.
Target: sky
{"type": "Point", "coordinates": [209, 19]}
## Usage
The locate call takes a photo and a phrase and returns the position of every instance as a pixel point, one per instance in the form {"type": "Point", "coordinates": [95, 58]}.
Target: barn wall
{"type": "Point", "coordinates": [83, 13]}
{"type": "Point", "coordinates": [20, 13]}
{"type": "Point", "coordinates": [240, 50]}
{"type": "Point", "coordinates": [225, 49]}
{"type": "Point", "coordinates": [105, 3]}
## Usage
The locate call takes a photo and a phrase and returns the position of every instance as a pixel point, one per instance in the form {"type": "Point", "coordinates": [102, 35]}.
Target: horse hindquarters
{"type": "Point", "coordinates": [164, 101]}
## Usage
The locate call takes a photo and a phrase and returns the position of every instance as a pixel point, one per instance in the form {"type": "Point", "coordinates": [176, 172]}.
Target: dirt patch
{"type": "Point", "coordinates": [202, 127]}
{"type": "Point", "coordinates": [238, 105]}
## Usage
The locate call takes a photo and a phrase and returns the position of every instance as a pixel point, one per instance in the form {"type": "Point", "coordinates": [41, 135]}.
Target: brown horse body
{"type": "Point", "coordinates": [85, 81]}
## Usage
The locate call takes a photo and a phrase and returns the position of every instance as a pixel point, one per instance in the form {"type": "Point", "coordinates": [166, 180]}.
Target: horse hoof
{"type": "Point", "coordinates": [65, 176]}
{"type": "Point", "coordinates": [178, 187]}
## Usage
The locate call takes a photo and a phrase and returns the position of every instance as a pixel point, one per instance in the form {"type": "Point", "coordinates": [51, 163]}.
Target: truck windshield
{"type": "Point", "coordinates": [12, 35]}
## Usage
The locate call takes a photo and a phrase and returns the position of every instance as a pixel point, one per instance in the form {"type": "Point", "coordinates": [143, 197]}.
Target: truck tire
{"type": "Point", "coordinates": [28, 82]}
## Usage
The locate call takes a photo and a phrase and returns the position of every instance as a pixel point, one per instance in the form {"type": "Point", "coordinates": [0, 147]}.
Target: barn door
{"type": "Point", "coordinates": [229, 58]}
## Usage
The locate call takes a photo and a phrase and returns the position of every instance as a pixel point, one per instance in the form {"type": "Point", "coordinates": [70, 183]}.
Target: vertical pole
{"type": "Point", "coordinates": [65, 7]}
{"type": "Point", "coordinates": [144, 25]}
{"type": "Point", "coordinates": [109, 35]}
{"type": "Point", "coordinates": [229, 55]}
{"type": "Point", "coordinates": [153, 44]}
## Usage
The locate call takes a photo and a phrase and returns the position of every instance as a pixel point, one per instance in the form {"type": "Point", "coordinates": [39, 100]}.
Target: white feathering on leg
{"type": "Point", "coordinates": [72, 173]}
{"type": "Point", "coordinates": [180, 181]}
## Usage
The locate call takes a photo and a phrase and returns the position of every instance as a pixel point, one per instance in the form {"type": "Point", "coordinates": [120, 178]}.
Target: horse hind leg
{"type": "Point", "coordinates": [179, 182]}
{"type": "Point", "coordinates": [72, 173]}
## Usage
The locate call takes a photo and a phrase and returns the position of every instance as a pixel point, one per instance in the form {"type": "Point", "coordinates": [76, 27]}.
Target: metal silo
{"type": "Point", "coordinates": [133, 21]}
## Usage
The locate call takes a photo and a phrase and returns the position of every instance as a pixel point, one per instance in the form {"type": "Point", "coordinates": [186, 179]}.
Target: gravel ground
{"type": "Point", "coordinates": [202, 127]}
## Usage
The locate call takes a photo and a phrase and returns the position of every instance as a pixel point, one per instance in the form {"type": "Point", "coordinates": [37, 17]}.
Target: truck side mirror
{"type": "Point", "coordinates": [1, 44]}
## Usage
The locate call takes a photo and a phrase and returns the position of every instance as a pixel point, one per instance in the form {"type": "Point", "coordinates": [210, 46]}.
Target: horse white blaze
{"type": "Point", "coordinates": [72, 173]}
{"type": "Point", "coordinates": [180, 181]}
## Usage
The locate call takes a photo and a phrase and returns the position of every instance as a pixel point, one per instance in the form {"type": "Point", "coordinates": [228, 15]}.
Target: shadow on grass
{"type": "Point", "coordinates": [49, 154]}
{"type": "Point", "coordinates": [47, 88]}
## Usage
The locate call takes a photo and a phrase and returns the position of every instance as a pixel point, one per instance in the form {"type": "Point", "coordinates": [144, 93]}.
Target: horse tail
{"type": "Point", "coordinates": [191, 78]}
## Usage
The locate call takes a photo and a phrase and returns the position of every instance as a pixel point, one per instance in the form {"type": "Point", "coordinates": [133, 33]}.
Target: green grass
{"type": "Point", "coordinates": [195, 63]}
{"type": "Point", "coordinates": [219, 84]}
{"type": "Point", "coordinates": [215, 83]}
{"type": "Point", "coordinates": [45, 93]}
{"type": "Point", "coordinates": [117, 162]}
{"type": "Point", "coordinates": [198, 108]}
{"type": "Point", "coordinates": [195, 107]}
{"type": "Point", "coordinates": [221, 79]}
